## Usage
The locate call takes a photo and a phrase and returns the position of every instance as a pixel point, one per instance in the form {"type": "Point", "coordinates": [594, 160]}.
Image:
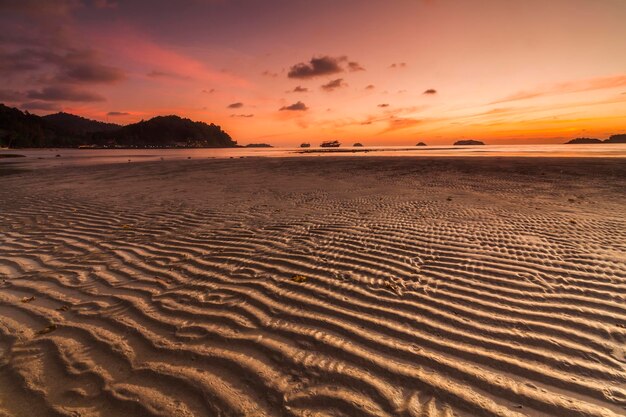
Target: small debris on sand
{"type": "Point", "coordinates": [299, 278]}
{"type": "Point", "coordinates": [47, 329]}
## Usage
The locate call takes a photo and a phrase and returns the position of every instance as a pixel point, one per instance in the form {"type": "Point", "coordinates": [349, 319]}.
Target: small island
{"type": "Point", "coordinates": [421, 144]}
{"type": "Point", "coordinates": [330, 144]}
{"type": "Point", "coordinates": [579, 141]}
{"type": "Point", "coordinates": [468, 142]}
{"type": "Point", "coordinates": [258, 145]}
{"type": "Point", "coordinates": [616, 139]}
{"type": "Point", "coordinates": [358, 144]}
{"type": "Point", "coordinates": [612, 139]}
{"type": "Point", "coordinates": [305, 145]}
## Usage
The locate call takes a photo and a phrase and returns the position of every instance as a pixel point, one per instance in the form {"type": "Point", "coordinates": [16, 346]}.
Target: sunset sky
{"type": "Point", "coordinates": [287, 71]}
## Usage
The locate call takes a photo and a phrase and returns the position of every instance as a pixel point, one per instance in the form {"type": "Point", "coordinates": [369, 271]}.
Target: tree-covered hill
{"type": "Point", "coordinates": [24, 130]}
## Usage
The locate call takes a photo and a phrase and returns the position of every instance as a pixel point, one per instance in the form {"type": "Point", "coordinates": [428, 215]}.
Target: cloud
{"type": "Point", "coordinates": [118, 113]}
{"type": "Point", "coordinates": [395, 118]}
{"type": "Point", "coordinates": [370, 87]}
{"type": "Point", "coordinates": [324, 65]}
{"type": "Point", "coordinates": [242, 115]}
{"type": "Point", "coordinates": [237, 105]}
{"type": "Point", "coordinates": [567, 87]}
{"type": "Point", "coordinates": [105, 4]}
{"type": "Point", "coordinates": [398, 65]}
{"type": "Point", "coordinates": [334, 84]}
{"type": "Point", "coordinates": [355, 66]}
{"type": "Point", "coordinates": [270, 74]}
{"type": "Point", "coordinates": [10, 95]}
{"type": "Point", "coordinates": [211, 91]}
{"type": "Point", "coordinates": [73, 66]}
{"type": "Point", "coordinates": [64, 94]}
{"type": "Point", "coordinates": [383, 105]}
{"type": "Point", "coordinates": [430, 91]}
{"type": "Point", "coordinates": [396, 123]}
{"type": "Point", "coordinates": [40, 105]}
{"type": "Point", "coordinates": [23, 60]}
{"type": "Point", "coordinates": [298, 106]}
{"type": "Point", "coordinates": [39, 7]}
{"type": "Point", "coordinates": [299, 89]}
{"type": "Point", "coordinates": [83, 67]}
{"type": "Point", "coordinates": [167, 74]}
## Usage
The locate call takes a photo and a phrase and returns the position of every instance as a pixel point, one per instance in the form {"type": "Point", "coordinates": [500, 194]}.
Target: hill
{"type": "Point", "coordinates": [24, 130]}
{"type": "Point", "coordinates": [76, 124]}
{"type": "Point", "coordinates": [165, 132]}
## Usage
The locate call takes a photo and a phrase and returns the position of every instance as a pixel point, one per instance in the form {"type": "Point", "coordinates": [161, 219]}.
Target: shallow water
{"type": "Point", "coordinates": [48, 157]}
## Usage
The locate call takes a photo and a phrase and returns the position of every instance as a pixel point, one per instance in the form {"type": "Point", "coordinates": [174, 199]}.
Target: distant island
{"type": "Point", "coordinates": [330, 144]}
{"type": "Point", "coordinates": [358, 144]}
{"type": "Point", "coordinates": [258, 145]}
{"type": "Point", "coordinates": [63, 130]}
{"type": "Point", "coordinates": [579, 141]}
{"type": "Point", "coordinates": [612, 139]}
{"type": "Point", "coordinates": [305, 145]}
{"type": "Point", "coordinates": [468, 142]}
{"type": "Point", "coordinates": [421, 144]}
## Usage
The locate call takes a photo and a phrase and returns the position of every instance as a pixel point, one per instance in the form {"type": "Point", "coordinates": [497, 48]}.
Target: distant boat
{"type": "Point", "coordinates": [305, 145]}
{"type": "Point", "coordinates": [330, 144]}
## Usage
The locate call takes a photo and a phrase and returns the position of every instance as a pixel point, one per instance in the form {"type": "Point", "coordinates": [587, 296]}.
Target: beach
{"type": "Point", "coordinates": [314, 286]}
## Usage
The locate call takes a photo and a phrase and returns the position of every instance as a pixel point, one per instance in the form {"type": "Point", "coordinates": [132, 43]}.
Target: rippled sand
{"type": "Point", "coordinates": [314, 287]}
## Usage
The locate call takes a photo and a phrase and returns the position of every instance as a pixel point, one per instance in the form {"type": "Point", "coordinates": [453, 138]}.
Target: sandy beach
{"type": "Point", "coordinates": [314, 286]}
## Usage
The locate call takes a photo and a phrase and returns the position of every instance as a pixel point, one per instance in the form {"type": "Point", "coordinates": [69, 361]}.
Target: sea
{"type": "Point", "coordinates": [58, 157]}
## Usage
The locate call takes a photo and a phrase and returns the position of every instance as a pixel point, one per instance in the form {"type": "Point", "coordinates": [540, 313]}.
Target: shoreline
{"type": "Point", "coordinates": [61, 157]}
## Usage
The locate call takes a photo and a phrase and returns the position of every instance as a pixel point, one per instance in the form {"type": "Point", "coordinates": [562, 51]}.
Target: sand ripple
{"type": "Point", "coordinates": [395, 294]}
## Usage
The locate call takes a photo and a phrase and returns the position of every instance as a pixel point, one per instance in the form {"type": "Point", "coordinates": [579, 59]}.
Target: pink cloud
{"type": "Point", "coordinates": [576, 86]}
{"type": "Point", "coordinates": [128, 45]}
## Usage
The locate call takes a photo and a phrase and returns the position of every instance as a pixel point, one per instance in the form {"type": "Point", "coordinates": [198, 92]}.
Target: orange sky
{"type": "Point", "coordinates": [499, 70]}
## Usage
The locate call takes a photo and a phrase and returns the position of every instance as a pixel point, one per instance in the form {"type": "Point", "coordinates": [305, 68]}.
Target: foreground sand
{"type": "Point", "coordinates": [315, 287]}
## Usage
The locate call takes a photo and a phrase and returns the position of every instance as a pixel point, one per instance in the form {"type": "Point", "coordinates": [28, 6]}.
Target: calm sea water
{"type": "Point", "coordinates": [48, 157]}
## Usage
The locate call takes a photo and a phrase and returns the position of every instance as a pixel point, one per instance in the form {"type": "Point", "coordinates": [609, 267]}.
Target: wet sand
{"type": "Point", "coordinates": [314, 286]}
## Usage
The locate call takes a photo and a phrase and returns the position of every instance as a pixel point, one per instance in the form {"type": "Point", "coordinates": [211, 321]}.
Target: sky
{"type": "Point", "coordinates": [379, 72]}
